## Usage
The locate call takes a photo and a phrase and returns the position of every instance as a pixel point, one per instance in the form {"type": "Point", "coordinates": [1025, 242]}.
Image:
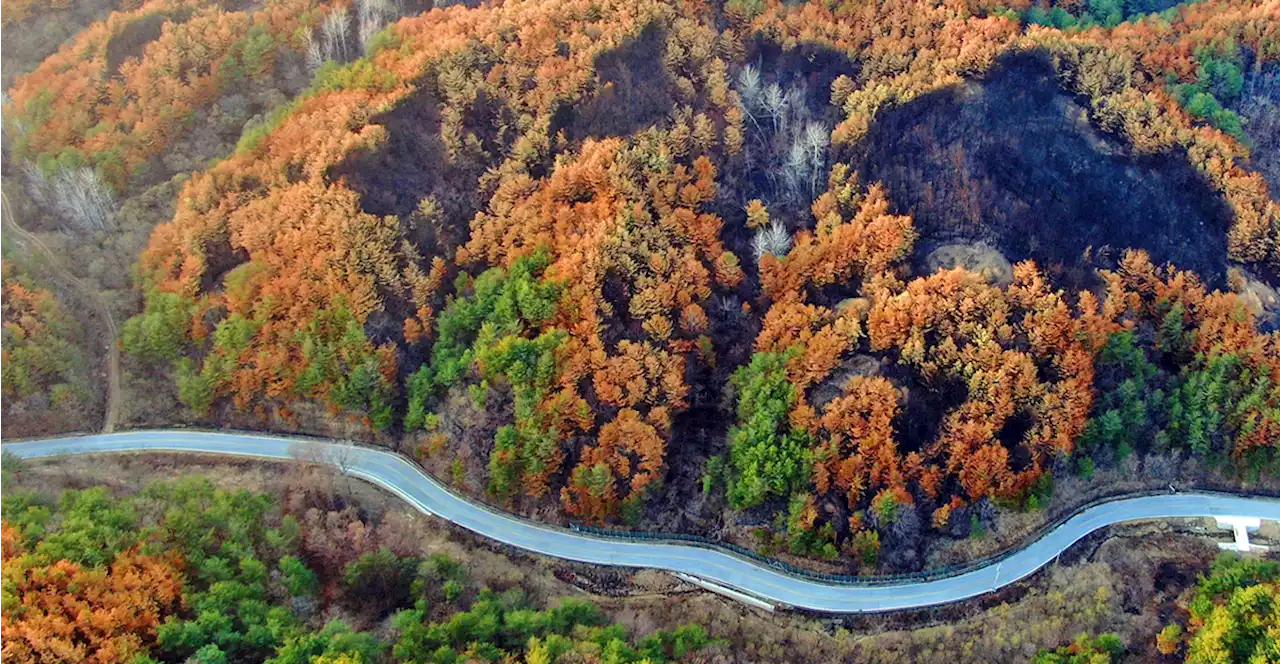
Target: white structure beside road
{"type": "Point", "coordinates": [1241, 525]}
{"type": "Point", "coordinates": [769, 585]}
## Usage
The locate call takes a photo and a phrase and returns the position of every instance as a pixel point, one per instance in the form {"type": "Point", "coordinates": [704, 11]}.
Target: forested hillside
{"type": "Point", "coordinates": [184, 571]}
{"type": "Point", "coordinates": [828, 278]}
{"type": "Point", "coordinates": [45, 373]}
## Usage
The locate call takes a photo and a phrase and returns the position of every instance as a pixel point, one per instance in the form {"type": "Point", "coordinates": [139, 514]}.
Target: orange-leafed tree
{"type": "Point", "coordinates": [855, 235]}
{"type": "Point", "coordinates": [65, 613]}
{"type": "Point", "coordinates": [628, 449]}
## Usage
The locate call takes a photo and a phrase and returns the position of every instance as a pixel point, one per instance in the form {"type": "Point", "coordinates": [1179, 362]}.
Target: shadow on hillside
{"type": "Point", "coordinates": [636, 91]}
{"type": "Point", "coordinates": [1013, 160]}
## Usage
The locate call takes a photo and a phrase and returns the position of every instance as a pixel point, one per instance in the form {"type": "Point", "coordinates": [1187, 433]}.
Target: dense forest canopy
{"type": "Point", "coordinates": [113, 101]}
{"type": "Point", "coordinates": [616, 254]}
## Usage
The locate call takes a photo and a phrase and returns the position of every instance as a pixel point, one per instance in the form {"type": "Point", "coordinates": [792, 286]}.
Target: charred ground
{"type": "Point", "coordinates": [1013, 160]}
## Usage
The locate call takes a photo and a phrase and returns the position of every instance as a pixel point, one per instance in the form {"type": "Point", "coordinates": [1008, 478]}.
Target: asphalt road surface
{"type": "Point", "coordinates": [403, 478]}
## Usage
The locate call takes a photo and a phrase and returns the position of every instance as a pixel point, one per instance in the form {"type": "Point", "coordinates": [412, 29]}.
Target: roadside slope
{"type": "Point", "coordinates": [402, 478]}
{"type": "Point", "coordinates": [112, 410]}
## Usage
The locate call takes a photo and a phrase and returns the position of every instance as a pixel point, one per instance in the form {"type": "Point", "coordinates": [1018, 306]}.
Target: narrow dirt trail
{"type": "Point", "coordinates": [26, 237]}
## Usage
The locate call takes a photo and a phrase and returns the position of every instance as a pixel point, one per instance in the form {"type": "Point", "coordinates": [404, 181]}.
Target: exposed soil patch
{"type": "Point", "coordinates": [832, 387]}
{"type": "Point", "coordinates": [1013, 160]}
{"type": "Point", "coordinates": [1261, 298]}
{"type": "Point", "coordinates": [977, 257]}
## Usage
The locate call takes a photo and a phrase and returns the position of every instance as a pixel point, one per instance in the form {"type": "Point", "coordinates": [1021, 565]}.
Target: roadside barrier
{"type": "Point", "coordinates": [742, 552]}
{"type": "Point", "coordinates": [887, 579]}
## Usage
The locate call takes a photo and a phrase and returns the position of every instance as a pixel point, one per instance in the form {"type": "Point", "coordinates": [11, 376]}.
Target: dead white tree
{"type": "Point", "coordinates": [315, 50]}
{"type": "Point", "coordinates": [336, 43]}
{"type": "Point", "coordinates": [342, 456]}
{"type": "Point", "coordinates": [789, 145]}
{"type": "Point", "coordinates": [82, 196]}
{"type": "Point", "coordinates": [749, 98]}
{"type": "Point", "coordinates": [334, 31]}
{"type": "Point", "coordinates": [372, 16]}
{"type": "Point", "coordinates": [795, 170]}
{"type": "Point", "coordinates": [329, 457]}
{"type": "Point", "coordinates": [749, 87]}
{"type": "Point", "coordinates": [772, 239]}
{"type": "Point", "coordinates": [308, 453]}
{"type": "Point", "coordinates": [775, 103]}
{"type": "Point", "coordinates": [797, 107]}
{"type": "Point", "coordinates": [816, 138]}
{"type": "Point", "coordinates": [37, 184]}
{"type": "Point", "coordinates": [78, 196]}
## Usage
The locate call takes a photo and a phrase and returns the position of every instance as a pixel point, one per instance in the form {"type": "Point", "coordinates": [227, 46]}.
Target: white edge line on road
{"type": "Point", "coordinates": [719, 571]}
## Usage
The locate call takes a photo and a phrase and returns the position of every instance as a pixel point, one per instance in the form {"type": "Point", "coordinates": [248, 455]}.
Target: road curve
{"type": "Point", "coordinates": [401, 477]}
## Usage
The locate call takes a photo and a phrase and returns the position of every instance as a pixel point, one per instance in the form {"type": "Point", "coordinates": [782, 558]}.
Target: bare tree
{"type": "Point", "coordinates": [728, 306]}
{"type": "Point", "coordinates": [372, 15]}
{"type": "Point", "coordinates": [775, 103]}
{"type": "Point", "coordinates": [339, 456]}
{"type": "Point", "coordinates": [315, 50]}
{"type": "Point", "coordinates": [37, 184]}
{"type": "Point", "coordinates": [342, 456]}
{"type": "Point", "coordinates": [816, 138]}
{"type": "Point", "coordinates": [795, 171]}
{"type": "Point", "coordinates": [789, 148]}
{"type": "Point", "coordinates": [1260, 109]}
{"type": "Point", "coordinates": [749, 87]}
{"type": "Point", "coordinates": [307, 453]}
{"type": "Point", "coordinates": [334, 30]}
{"type": "Point", "coordinates": [76, 195]}
{"type": "Point", "coordinates": [83, 196]}
{"type": "Point", "coordinates": [797, 107]}
{"type": "Point", "coordinates": [772, 239]}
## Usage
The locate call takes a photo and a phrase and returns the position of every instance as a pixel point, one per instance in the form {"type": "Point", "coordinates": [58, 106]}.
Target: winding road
{"type": "Point", "coordinates": [401, 477]}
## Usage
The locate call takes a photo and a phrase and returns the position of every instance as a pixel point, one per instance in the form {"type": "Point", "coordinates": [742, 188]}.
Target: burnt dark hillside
{"type": "Point", "coordinates": [1260, 109]}
{"type": "Point", "coordinates": [1013, 160]}
{"type": "Point", "coordinates": [636, 91]}
{"type": "Point", "coordinates": [810, 65]}
{"type": "Point", "coordinates": [413, 164]}
{"type": "Point", "coordinates": [133, 39]}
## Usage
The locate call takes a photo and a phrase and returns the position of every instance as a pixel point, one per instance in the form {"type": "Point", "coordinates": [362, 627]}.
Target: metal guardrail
{"type": "Point", "coordinates": [887, 579]}
{"type": "Point", "coordinates": [753, 556]}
